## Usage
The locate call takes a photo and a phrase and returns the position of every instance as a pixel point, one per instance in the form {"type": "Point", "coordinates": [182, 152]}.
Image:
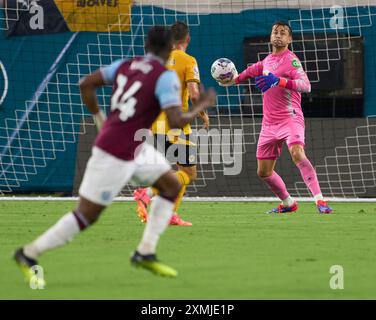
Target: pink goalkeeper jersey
{"type": "Point", "coordinates": [281, 104]}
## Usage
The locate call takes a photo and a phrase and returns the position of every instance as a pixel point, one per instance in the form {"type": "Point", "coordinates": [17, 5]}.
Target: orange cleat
{"type": "Point", "coordinates": [142, 199]}
{"type": "Point", "coordinates": [177, 221]}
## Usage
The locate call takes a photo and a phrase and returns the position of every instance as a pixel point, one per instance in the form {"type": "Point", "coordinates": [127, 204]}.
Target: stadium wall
{"type": "Point", "coordinates": [28, 59]}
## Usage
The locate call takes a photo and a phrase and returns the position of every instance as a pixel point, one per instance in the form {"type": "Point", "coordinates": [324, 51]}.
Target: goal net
{"type": "Point", "coordinates": [47, 46]}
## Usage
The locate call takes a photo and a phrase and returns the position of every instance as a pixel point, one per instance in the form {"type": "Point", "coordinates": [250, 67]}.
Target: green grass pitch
{"type": "Point", "coordinates": [232, 251]}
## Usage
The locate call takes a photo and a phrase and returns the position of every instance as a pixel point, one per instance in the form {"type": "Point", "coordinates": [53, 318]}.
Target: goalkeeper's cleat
{"type": "Point", "coordinates": [142, 199]}
{"type": "Point", "coordinates": [323, 207]}
{"type": "Point", "coordinates": [150, 263]}
{"type": "Point", "coordinates": [285, 209]}
{"type": "Point", "coordinates": [26, 264]}
{"type": "Point", "coordinates": [177, 221]}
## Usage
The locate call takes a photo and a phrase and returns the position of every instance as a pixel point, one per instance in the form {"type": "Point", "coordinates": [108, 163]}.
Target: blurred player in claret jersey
{"type": "Point", "coordinates": [187, 70]}
{"type": "Point", "coordinates": [281, 78]}
{"type": "Point", "coordinates": [142, 87]}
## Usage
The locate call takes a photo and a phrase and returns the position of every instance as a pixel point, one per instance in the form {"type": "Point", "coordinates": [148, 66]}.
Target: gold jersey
{"type": "Point", "coordinates": [187, 70]}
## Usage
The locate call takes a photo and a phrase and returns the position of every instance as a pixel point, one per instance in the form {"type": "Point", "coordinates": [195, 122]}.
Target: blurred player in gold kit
{"type": "Point", "coordinates": [185, 150]}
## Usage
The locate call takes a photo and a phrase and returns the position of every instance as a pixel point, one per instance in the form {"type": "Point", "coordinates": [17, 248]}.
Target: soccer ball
{"type": "Point", "coordinates": [223, 70]}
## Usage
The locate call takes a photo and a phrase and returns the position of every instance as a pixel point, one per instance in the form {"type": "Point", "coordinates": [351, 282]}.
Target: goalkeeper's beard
{"type": "Point", "coordinates": [279, 45]}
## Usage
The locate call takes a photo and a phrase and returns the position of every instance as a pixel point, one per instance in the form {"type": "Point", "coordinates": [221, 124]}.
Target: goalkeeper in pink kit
{"type": "Point", "coordinates": [281, 78]}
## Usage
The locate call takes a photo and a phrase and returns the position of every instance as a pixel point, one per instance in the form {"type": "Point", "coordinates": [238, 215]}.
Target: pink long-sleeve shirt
{"type": "Point", "coordinates": [281, 103]}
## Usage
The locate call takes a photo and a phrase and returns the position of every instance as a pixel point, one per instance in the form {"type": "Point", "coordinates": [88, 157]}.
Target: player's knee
{"type": "Point", "coordinates": [264, 173]}
{"type": "Point", "coordinates": [192, 173]}
{"type": "Point", "coordinates": [171, 193]}
{"type": "Point", "coordinates": [297, 154]}
{"type": "Point", "coordinates": [170, 188]}
{"type": "Point", "coordinates": [175, 189]}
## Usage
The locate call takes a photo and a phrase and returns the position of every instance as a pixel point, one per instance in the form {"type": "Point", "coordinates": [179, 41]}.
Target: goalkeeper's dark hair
{"type": "Point", "coordinates": [284, 24]}
{"type": "Point", "coordinates": [179, 31]}
{"type": "Point", "coordinates": [159, 39]}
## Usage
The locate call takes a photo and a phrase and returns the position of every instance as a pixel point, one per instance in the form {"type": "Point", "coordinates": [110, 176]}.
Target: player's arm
{"type": "Point", "coordinates": [252, 71]}
{"type": "Point", "coordinates": [193, 91]}
{"type": "Point", "coordinates": [298, 79]}
{"type": "Point", "coordinates": [194, 96]}
{"type": "Point", "coordinates": [89, 85]}
{"type": "Point", "coordinates": [178, 119]}
{"type": "Point", "coordinates": [192, 78]}
{"type": "Point", "coordinates": [168, 94]}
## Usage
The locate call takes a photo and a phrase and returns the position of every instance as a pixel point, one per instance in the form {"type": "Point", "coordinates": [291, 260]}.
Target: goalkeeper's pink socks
{"type": "Point", "coordinates": [309, 176]}
{"type": "Point", "coordinates": [277, 185]}
{"type": "Point", "coordinates": [308, 172]}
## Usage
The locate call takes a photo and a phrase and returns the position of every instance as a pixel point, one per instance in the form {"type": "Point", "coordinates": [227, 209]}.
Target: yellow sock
{"type": "Point", "coordinates": [183, 178]}
{"type": "Point", "coordinates": [184, 181]}
{"type": "Point", "coordinates": [154, 191]}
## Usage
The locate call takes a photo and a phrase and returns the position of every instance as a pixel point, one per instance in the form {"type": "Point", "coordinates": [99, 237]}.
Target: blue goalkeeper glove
{"type": "Point", "coordinates": [264, 83]}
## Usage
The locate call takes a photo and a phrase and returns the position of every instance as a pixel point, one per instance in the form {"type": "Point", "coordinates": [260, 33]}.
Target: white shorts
{"type": "Point", "coordinates": [105, 175]}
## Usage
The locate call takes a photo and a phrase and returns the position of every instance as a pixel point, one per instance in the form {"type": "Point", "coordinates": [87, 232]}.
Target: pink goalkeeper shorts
{"type": "Point", "coordinates": [271, 138]}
